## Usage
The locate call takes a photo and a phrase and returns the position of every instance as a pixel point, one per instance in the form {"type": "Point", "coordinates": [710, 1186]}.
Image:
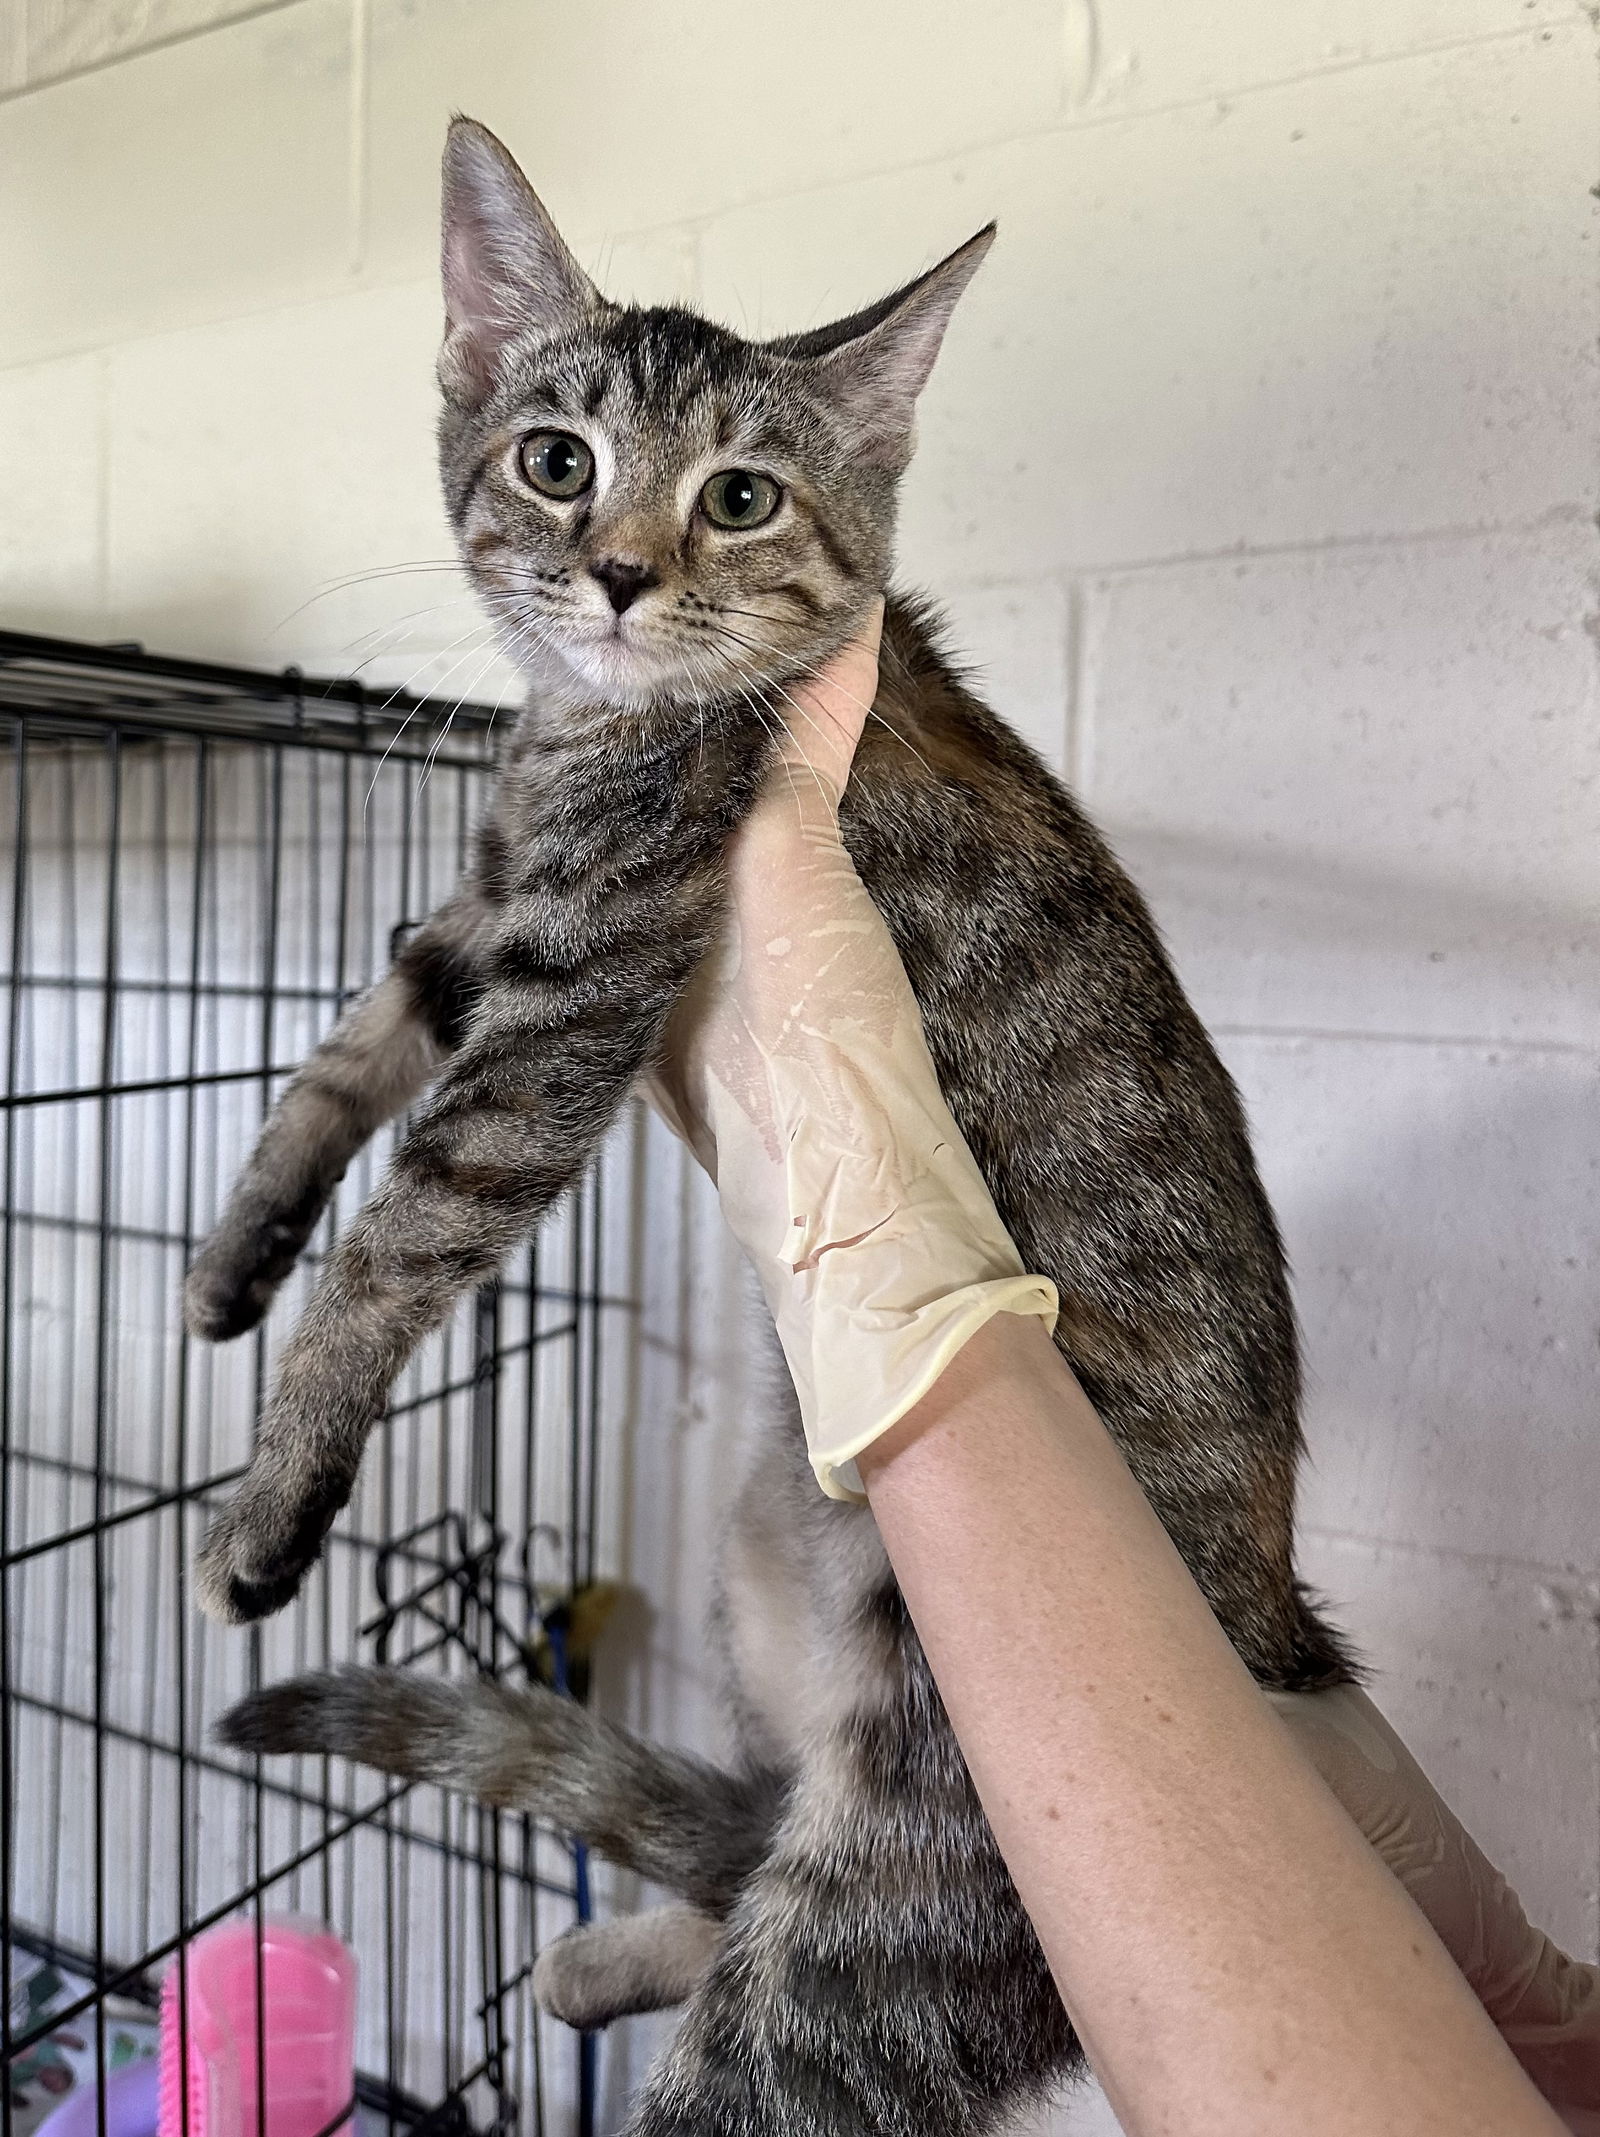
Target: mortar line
{"type": "Point", "coordinates": [1461, 1554]}
{"type": "Point", "coordinates": [156, 44]}
{"type": "Point", "coordinates": [1531, 33]}
{"type": "Point", "coordinates": [1081, 56]}
{"type": "Point", "coordinates": [1553, 516]}
{"type": "Point", "coordinates": [1476, 1042]}
{"type": "Point", "coordinates": [360, 63]}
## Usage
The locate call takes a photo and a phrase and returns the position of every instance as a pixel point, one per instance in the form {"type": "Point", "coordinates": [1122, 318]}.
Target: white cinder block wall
{"type": "Point", "coordinates": [1260, 475]}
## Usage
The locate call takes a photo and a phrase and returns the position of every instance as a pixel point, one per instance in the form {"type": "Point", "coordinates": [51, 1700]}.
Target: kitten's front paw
{"type": "Point", "coordinates": [260, 1548]}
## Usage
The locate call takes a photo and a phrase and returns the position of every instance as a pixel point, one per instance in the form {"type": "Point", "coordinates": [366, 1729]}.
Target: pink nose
{"type": "Point", "coordinates": [624, 579]}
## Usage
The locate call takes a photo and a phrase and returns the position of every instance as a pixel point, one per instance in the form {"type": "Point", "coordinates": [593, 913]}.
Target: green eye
{"type": "Point", "coordinates": [740, 498]}
{"type": "Point", "coordinates": [557, 463]}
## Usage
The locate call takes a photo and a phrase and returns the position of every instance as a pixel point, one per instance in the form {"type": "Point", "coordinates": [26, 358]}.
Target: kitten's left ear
{"type": "Point", "coordinates": [873, 365]}
{"type": "Point", "coordinates": [506, 270]}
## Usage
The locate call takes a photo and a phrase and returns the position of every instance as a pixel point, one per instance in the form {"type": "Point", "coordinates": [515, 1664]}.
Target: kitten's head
{"type": "Point", "coordinates": [654, 509]}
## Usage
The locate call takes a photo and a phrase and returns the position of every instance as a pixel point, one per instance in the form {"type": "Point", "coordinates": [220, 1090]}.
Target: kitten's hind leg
{"type": "Point", "coordinates": [601, 1971]}
{"type": "Point", "coordinates": [677, 1820]}
{"type": "Point", "coordinates": [878, 1974]}
{"type": "Point", "coordinates": [379, 1055]}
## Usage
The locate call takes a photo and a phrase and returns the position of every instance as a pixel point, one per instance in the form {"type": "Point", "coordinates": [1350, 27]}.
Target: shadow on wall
{"type": "Point", "coordinates": [1439, 1207]}
{"type": "Point", "coordinates": [1437, 1189]}
{"type": "Point", "coordinates": [1281, 938]}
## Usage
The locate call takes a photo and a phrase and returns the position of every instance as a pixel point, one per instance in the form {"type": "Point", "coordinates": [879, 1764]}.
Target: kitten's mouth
{"type": "Point", "coordinates": [615, 657]}
{"type": "Point", "coordinates": [626, 658]}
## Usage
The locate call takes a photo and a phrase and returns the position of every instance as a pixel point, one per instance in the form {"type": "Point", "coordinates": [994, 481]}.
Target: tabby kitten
{"type": "Point", "coordinates": [668, 524]}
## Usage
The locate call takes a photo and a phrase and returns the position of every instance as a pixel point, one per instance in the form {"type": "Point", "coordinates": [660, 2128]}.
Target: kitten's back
{"type": "Point", "coordinates": [1111, 1136]}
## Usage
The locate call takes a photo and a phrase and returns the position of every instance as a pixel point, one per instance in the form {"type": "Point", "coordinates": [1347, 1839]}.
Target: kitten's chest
{"type": "Point", "coordinates": [595, 841]}
{"type": "Point", "coordinates": [575, 859]}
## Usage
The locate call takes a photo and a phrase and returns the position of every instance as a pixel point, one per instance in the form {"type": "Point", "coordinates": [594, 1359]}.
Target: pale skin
{"type": "Point", "coordinates": [1235, 1956]}
{"type": "Point", "coordinates": [1236, 1959]}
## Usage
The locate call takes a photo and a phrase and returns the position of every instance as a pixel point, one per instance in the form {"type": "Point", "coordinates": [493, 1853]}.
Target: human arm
{"type": "Point", "coordinates": [1235, 1957]}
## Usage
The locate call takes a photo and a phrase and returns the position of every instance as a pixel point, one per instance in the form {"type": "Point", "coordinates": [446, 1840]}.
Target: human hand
{"type": "Point", "coordinates": [797, 1072]}
{"type": "Point", "coordinates": [1546, 2006]}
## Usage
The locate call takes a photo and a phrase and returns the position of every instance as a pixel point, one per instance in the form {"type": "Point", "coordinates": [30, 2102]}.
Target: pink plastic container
{"type": "Point", "coordinates": [307, 1984]}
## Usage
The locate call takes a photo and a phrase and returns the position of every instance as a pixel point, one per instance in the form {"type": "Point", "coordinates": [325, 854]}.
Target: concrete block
{"type": "Point", "coordinates": [1362, 787]}
{"type": "Point", "coordinates": [64, 36]}
{"type": "Point", "coordinates": [628, 117]}
{"type": "Point", "coordinates": [51, 568]}
{"type": "Point", "coordinates": [111, 230]}
{"type": "Point", "coordinates": [1488, 1670]}
{"type": "Point", "coordinates": [1014, 639]}
{"type": "Point", "coordinates": [256, 463]}
{"type": "Point", "coordinates": [1441, 1208]}
{"type": "Point", "coordinates": [1324, 312]}
{"type": "Point", "coordinates": [1151, 52]}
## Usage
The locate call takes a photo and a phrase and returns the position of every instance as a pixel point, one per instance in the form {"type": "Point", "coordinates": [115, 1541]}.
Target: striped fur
{"type": "Point", "coordinates": [852, 1952]}
{"type": "Point", "coordinates": [579, 944]}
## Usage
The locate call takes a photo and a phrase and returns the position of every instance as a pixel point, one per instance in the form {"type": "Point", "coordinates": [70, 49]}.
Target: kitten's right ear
{"type": "Point", "coordinates": [506, 271]}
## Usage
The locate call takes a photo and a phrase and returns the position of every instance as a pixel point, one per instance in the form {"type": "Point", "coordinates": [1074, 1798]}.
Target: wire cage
{"type": "Point", "coordinates": [199, 866]}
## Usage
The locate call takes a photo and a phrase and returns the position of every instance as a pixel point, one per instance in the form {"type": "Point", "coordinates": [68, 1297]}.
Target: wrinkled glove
{"type": "Point", "coordinates": [1546, 2006]}
{"type": "Point", "coordinates": [797, 1072]}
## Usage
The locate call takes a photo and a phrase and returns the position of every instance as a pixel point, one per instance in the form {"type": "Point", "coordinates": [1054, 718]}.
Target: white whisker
{"type": "Point", "coordinates": [397, 691]}
{"type": "Point", "coordinates": [815, 670]}
{"type": "Point", "coordinates": [760, 684]}
{"type": "Point", "coordinates": [362, 578]}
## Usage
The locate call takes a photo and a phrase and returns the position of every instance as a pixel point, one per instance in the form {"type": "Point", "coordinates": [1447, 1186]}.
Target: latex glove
{"type": "Point", "coordinates": [797, 1072]}
{"type": "Point", "coordinates": [1546, 2005]}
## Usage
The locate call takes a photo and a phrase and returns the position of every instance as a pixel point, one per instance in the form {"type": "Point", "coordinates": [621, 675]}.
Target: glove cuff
{"type": "Point", "coordinates": [923, 1347]}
